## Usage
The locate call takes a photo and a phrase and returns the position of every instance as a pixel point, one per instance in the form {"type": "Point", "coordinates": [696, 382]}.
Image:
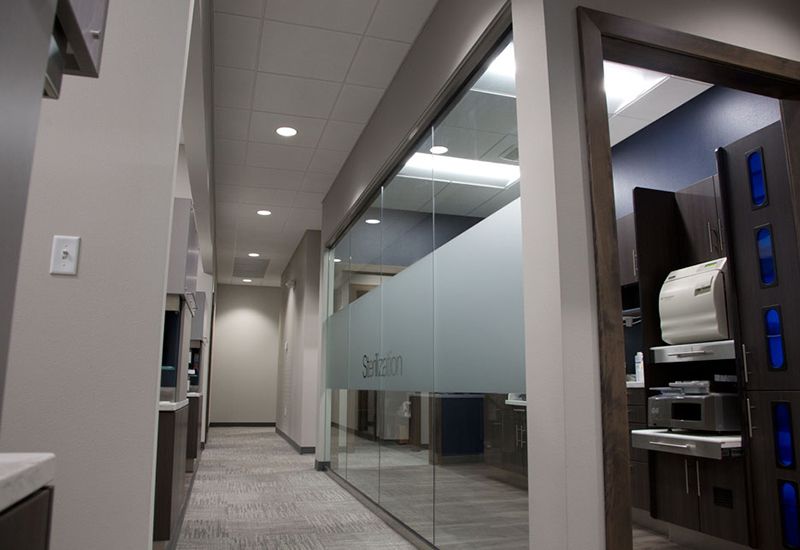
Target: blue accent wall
{"type": "Point", "coordinates": [678, 149]}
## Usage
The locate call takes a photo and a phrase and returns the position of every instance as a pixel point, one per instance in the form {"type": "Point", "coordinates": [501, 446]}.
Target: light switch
{"type": "Point", "coordinates": [64, 259]}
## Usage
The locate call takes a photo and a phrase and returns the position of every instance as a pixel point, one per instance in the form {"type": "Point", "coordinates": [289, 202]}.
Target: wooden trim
{"type": "Point", "coordinates": [605, 36]}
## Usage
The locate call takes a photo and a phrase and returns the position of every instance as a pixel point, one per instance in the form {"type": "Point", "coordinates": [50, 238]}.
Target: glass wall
{"type": "Point", "coordinates": [424, 330]}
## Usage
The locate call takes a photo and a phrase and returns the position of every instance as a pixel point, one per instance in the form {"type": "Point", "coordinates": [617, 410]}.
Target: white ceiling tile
{"type": "Point", "coordinates": [317, 183]}
{"type": "Point", "coordinates": [308, 200]}
{"type": "Point", "coordinates": [621, 127]}
{"type": "Point", "coordinates": [250, 8]}
{"type": "Point", "coordinates": [227, 151]}
{"type": "Point", "coordinates": [263, 126]}
{"type": "Point", "coordinates": [281, 157]}
{"type": "Point", "coordinates": [664, 98]}
{"type": "Point", "coordinates": [295, 96]}
{"type": "Point", "coordinates": [400, 19]}
{"type": "Point", "coordinates": [236, 40]}
{"type": "Point", "coordinates": [342, 15]}
{"type": "Point", "coordinates": [233, 87]}
{"type": "Point", "coordinates": [258, 196]}
{"type": "Point", "coordinates": [231, 123]}
{"type": "Point", "coordinates": [340, 136]}
{"type": "Point", "coordinates": [327, 161]}
{"type": "Point", "coordinates": [407, 193]}
{"type": "Point", "coordinates": [356, 103]}
{"type": "Point", "coordinates": [376, 62]}
{"type": "Point", "coordinates": [252, 176]}
{"type": "Point", "coordinates": [306, 51]}
{"type": "Point", "coordinates": [301, 219]}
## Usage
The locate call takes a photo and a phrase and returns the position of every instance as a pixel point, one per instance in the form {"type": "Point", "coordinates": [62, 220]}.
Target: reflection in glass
{"type": "Point", "coordinates": [424, 338]}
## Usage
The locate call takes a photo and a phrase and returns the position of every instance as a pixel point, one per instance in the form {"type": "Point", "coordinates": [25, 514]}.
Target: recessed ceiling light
{"type": "Point", "coordinates": [337, 260]}
{"type": "Point", "coordinates": [247, 280]}
{"type": "Point", "coordinates": [264, 213]}
{"type": "Point", "coordinates": [286, 131]}
{"type": "Point", "coordinates": [254, 254]}
{"type": "Point", "coordinates": [625, 84]}
{"type": "Point", "coordinates": [372, 221]}
{"type": "Point", "coordinates": [458, 170]}
{"type": "Point", "coordinates": [439, 149]}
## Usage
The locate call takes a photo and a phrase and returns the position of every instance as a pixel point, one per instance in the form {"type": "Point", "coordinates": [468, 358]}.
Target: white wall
{"type": "Point", "coordinates": [300, 344]}
{"type": "Point", "coordinates": [566, 482]}
{"type": "Point", "coordinates": [244, 369]}
{"type": "Point", "coordinates": [83, 374]}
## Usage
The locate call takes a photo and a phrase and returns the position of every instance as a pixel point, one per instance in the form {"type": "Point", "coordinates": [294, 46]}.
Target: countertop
{"type": "Point", "coordinates": [634, 384]}
{"type": "Point", "coordinates": [194, 394]}
{"type": "Point", "coordinates": [172, 406]}
{"type": "Point", "coordinates": [24, 473]}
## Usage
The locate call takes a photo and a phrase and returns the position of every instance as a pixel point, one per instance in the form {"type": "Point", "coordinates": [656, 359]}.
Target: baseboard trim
{"type": "Point", "coordinates": [321, 465]}
{"type": "Point", "coordinates": [417, 540]}
{"type": "Point", "coordinates": [242, 424]}
{"type": "Point", "coordinates": [293, 443]}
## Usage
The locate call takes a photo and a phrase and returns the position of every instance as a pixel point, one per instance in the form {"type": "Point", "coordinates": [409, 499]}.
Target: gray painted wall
{"type": "Point", "coordinates": [300, 343]}
{"type": "Point", "coordinates": [25, 29]}
{"type": "Point", "coordinates": [244, 369]}
{"type": "Point", "coordinates": [83, 369]}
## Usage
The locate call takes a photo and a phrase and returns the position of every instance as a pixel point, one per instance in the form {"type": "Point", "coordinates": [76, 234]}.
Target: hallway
{"type": "Point", "coordinates": [253, 492]}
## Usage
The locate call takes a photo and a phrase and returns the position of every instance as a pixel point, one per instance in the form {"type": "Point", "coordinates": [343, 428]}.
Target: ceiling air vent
{"type": "Point", "coordinates": [251, 268]}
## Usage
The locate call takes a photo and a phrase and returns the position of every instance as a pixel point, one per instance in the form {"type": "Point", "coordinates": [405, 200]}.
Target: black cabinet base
{"type": "Point", "coordinates": [26, 524]}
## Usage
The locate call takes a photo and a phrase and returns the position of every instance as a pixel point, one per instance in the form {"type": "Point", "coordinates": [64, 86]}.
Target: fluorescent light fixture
{"type": "Point", "coordinates": [457, 170]}
{"type": "Point", "coordinates": [625, 84]}
{"type": "Point", "coordinates": [337, 260]}
{"type": "Point", "coordinates": [264, 213]}
{"type": "Point", "coordinates": [439, 150]}
{"type": "Point", "coordinates": [499, 78]}
{"type": "Point", "coordinates": [247, 280]}
{"type": "Point", "coordinates": [372, 221]}
{"type": "Point", "coordinates": [254, 254]}
{"type": "Point", "coordinates": [286, 131]}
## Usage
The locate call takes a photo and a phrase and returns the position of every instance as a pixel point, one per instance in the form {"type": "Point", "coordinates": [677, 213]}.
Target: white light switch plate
{"type": "Point", "coordinates": [64, 258]}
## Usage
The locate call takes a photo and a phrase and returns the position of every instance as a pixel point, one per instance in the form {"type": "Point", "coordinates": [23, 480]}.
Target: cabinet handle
{"type": "Point", "coordinates": [749, 418]}
{"type": "Point", "coordinates": [721, 241]}
{"type": "Point", "coordinates": [635, 263]}
{"type": "Point", "coordinates": [710, 240]}
{"type": "Point", "coordinates": [686, 474]}
{"type": "Point", "coordinates": [673, 445]}
{"type": "Point", "coordinates": [697, 471]}
{"type": "Point", "coordinates": [744, 363]}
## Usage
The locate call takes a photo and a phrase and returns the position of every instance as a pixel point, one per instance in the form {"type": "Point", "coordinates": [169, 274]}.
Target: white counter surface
{"type": "Point", "coordinates": [634, 384]}
{"type": "Point", "coordinates": [716, 446]}
{"type": "Point", "coordinates": [194, 394]}
{"type": "Point", "coordinates": [726, 441]}
{"type": "Point", "coordinates": [172, 406]}
{"type": "Point", "coordinates": [21, 474]}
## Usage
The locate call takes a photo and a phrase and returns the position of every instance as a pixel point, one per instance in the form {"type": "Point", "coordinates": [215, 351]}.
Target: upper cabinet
{"type": "Point", "coordinates": [80, 32]}
{"type": "Point", "coordinates": [701, 212]}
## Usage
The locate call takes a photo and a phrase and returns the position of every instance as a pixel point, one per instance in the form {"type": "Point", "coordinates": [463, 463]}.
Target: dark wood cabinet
{"type": "Point", "coordinates": [193, 433]}
{"type": "Point", "coordinates": [626, 241]}
{"type": "Point", "coordinates": [640, 469]}
{"type": "Point", "coordinates": [674, 490]}
{"type": "Point", "coordinates": [170, 487]}
{"type": "Point", "coordinates": [26, 524]}
{"type": "Point", "coordinates": [771, 281]}
{"type": "Point", "coordinates": [701, 213]}
{"type": "Point", "coordinates": [701, 494]}
{"type": "Point", "coordinates": [768, 469]}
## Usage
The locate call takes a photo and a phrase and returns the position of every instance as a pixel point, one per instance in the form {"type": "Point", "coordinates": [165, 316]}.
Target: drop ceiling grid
{"type": "Point", "coordinates": [315, 65]}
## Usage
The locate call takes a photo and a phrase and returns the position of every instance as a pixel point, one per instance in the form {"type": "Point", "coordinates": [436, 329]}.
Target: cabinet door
{"type": "Point", "coordinates": [771, 446]}
{"type": "Point", "coordinates": [626, 241]}
{"type": "Point", "coordinates": [27, 523]}
{"type": "Point", "coordinates": [640, 485]}
{"type": "Point", "coordinates": [723, 498]}
{"type": "Point", "coordinates": [674, 492]}
{"type": "Point", "coordinates": [756, 190]}
{"type": "Point", "coordinates": [698, 206]}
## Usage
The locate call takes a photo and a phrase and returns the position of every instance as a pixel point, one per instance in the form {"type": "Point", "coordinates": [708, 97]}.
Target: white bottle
{"type": "Point", "coordinates": [638, 363]}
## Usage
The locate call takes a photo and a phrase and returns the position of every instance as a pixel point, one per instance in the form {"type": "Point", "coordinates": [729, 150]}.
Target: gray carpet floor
{"type": "Point", "coordinates": [254, 492]}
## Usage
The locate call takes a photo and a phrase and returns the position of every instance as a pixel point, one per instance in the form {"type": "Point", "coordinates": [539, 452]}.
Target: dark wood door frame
{"type": "Point", "coordinates": [614, 38]}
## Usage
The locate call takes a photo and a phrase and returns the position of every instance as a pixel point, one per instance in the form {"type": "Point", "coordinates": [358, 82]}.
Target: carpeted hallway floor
{"type": "Point", "coordinates": [254, 492]}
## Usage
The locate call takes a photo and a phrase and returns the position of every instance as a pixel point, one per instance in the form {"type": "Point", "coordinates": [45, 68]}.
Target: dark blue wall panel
{"type": "Point", "coordinates": [678, 149]}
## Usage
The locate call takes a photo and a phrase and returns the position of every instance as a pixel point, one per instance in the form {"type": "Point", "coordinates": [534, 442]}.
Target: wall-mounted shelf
{"type": "Point", "coordinates": [701, 351]}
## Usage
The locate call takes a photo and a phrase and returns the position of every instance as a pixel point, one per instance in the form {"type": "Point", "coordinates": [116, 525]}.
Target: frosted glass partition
{"type": "Point", "coordinates": [424, 332]}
